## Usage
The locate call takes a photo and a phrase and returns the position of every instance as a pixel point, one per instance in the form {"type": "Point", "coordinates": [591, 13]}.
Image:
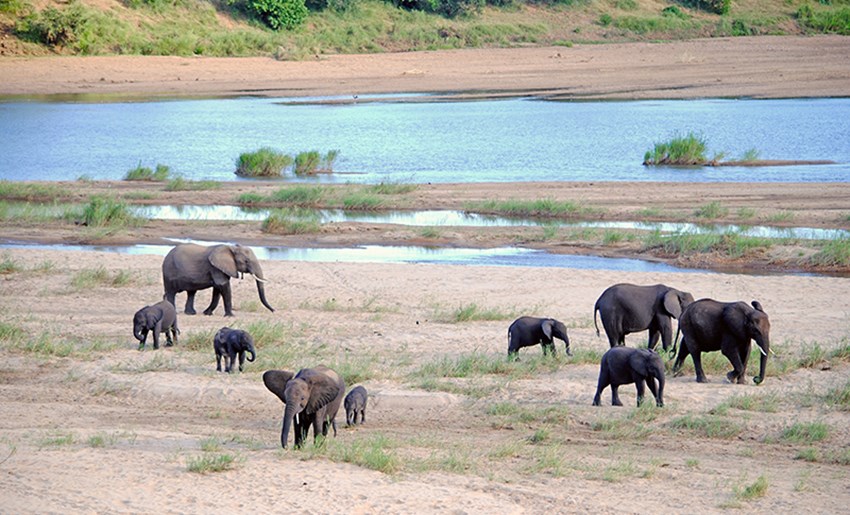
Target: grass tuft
{"type": "Point", "coordinates": [207, 464]}
{"type": "Point", "coordinates": [143, 173]}
{"type": "Point", "coordinates": [265, 162]}
{"type": "Point", "coordinates": [688, 150]}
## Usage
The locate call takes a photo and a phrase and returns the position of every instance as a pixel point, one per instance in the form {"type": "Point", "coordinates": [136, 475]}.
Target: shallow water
{"type": "Point", "coordinates": [480, 141]}
{"type": "Point", "coordinates": [451, 218]}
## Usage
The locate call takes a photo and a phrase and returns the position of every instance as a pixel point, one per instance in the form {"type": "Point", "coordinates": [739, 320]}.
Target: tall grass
{"type": "Point", "coordinates": [732, 244]}
{"type": "Point", "coordinates": [832, 253]}
{"type": "Point", "coordinates": [30, 192]}
{"type": "Point", "coordinates": [143, 173]}
{"type": "Point", "coordinates": [108, 212]}
{"type": "Point", "coordinates": [530, 208]}
{"type": "Point", "coordinates": [287, 221]}
{"type": "Point", "coordinates": [299, 195]}
{"type": "Point", "coordinates": [265, 162]}
{"type": "Point", "coordinates": [312, 162]}
{"type": "Point", "coordinates": [687, 150]}
{"type": "Point", "coordinates": [391, 188]}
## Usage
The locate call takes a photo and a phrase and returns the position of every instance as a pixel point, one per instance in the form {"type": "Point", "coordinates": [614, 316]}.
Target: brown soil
{"type": "Point", "coordinates": [110, 429]}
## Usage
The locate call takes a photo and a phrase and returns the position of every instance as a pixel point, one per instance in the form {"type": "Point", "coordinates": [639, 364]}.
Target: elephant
{"type": "Point", "coordinates": [526, 331]}
{"type": "Point", "coordinates": [625, 365]}
{"type": "Point", "coordinates": [230, 342]}
{"type": "Point", "coordinates": [708, 325]}
{"type": "Point", "coordinates": [629, 308]}
{"type": "Point", "coordinates": [355, 403]}
{"type": "Point", "coordinates": [312, 397]}
{"type": "Point", "coordinates": [157, 318]}
{"type": "Point", "coordinates": [189, 267]}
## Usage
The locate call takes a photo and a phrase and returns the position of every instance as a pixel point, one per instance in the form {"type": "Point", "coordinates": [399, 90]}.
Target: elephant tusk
{"type": "Point", "coordinates": [761, 350]}
{"type": "Point", "coordinates": [261, 280]}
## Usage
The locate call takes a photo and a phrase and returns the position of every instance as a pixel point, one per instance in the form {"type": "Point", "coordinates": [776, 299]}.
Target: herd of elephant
{"type": "Point", "coordinates": [313, 395]}
{"type": "Point", "coordinates": [705, 325]}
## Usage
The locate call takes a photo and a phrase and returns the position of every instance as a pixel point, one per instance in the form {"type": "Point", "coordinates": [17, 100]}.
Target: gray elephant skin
{"type": "Point", "coordinates": [708, 325]}
{"type": "Point", "coordinates": [527, 331]}
{"type": "Point", "coordinates": [312, 398]}
{"type": "Point", "coordinates": [156, 318]}
{"type": "Point", "coordinates": [626, 365]}
{"type": "Point", "coordinates": [230, 343]}
{"type": "Point", "coordinates": [189, 267]}
{"type": "Point", "coordinates": [355, 404]}
{"type": "Point", "coordinates": [630, 308]}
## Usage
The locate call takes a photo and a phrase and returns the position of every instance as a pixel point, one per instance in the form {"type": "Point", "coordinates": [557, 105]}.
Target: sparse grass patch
{"type": "Point", "coordinates": [160, 362]}
{"type": "Point", "coordinates": [250, 198]}
{"type": "Point", "coordinates": [361, 201]}
{"type": "Point", "coordinates": [765, 403]}
{"type": "Point", "coordinates": [711, 426]}
{"type": "Point", "coordinates": [302, 196]}
{"type": "Point", "coordinates": [832, 253]}
{"type": "Point", "coordinates": [472, 312]}
{"type": "Point", "coordinates": [781, 216]}
{"type": "Point", "coordinates": [198, 340]}
{"type": "Point", "coordinates": [805, 432]}
{"type": "Point", "coordinates": [286, 221]}
{"type": "Point", "coordinates": [56, 439]}
{"type": "Point", "coordinates": [430, 233]}
{"type": "Point", "coordinates": [732, 244]}
{"type": "Point", "coordinates": [375, 452]}
{"type": "Point", "coordinates": [620, 428]}
{"type": "Point", "coordinates": [265, 162]}
{"type": "Point", "coordinates": [181, 184]}
{"type": "Point", "coordinates": [30, 192]}
{"type": "Point", "coordinates": [839, 397]}
{"type": "Point", "coordinates": [650, 212]}
{"type": "Point", "coordinates": [100, 277]}
{"type": "Point", "coordinates": [100, 440]}
{"type": "Point", "coordinates": [207, 464]}
{"type": "Point", "coordinates": [711, 211]}
{"type": "Point", "coordinates": [754, 490]}
{"type": "Point", "coordinates": [531, 208]}
{"type": "Point", "coordinates": [9, 265]}
{"type": "Point", "coordinates": [108, 212]}
{"type": "Point", "coordinates": [143, 173]}
{"type": "Point", "coordinates": [391, 188]}
{"type": "Point", "coordinates": [745, 213]}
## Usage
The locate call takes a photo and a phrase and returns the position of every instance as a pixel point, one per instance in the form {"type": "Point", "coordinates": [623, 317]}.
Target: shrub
{"type": "Point", "coordinates": [280, 14]}
{"type": "Point", "coordinates": [265, 162]}
{"type": "Point", "coordinates": [712, 6]}
{"type": "Point", "coordinates": [310, 163]}
{"type": "Point", "coordinates": [830, 20]}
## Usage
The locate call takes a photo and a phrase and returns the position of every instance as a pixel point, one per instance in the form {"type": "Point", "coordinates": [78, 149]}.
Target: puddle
{"type": "Point", "coordinates": [450, 218]}
{"type": "Point", "coordinates": [502, 256]}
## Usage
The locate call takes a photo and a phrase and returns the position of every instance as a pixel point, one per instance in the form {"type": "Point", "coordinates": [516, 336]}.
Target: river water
{"type": "Point", "coordinates": [409, 139]}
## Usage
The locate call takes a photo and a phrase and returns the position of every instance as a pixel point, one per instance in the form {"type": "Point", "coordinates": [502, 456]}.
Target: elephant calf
{"type": "Point", "coordinates": [528, 331]}
{"type": "Point", "coordinates": [355, 403]}
{"type": "Point", "coordinates": [157, 318]}
{"type": "Point", "coordinates": [626, 365]}
{"type": "Point", "coordinates": [230, 342]}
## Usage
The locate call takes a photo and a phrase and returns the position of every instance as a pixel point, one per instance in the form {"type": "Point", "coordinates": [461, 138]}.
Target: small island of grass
{"type": "Point", "coordinates": [690, 150]}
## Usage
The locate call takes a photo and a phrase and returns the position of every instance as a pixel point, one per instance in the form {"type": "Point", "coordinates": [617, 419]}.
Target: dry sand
{"type": "Point", "coordinates": [113, 430]}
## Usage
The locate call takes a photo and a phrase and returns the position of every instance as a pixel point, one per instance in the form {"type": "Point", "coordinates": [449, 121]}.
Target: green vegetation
{"type": "Point", "coordinates": [302, 196]}
{"type": "Point", "coordinates": [806, 432]}
{"type": "Point", "coordinates": [311, 163]}
{"type": "Point", "coordinates": [89, 278]}
{"type": "Point", "coordinates": [375, 452]}
{"type": "Point", "coordinates": [688, 150]}
{"type": "Point", "coordinates": [108, 212]}
{"type": "Point", "coordinates": [732, 244]}
{"type": "Point", "coordinates": [180, 184]}
{"type": "Point", "coordinates": [265, 162]}
{"type": "Point", "coordinates": [143, 173]}
{"type": "Point", "coordinates": [30, 192]}
{"type": "Point", "coordinates": [712, 210]}
{"type": "Point", "coordinates": [712, 426]}
{"type": "Point", "coordinates": [391, 188]}
{"type": "Point", "coordinates": [832, 253]}
{"type": "Point", "coordinates": [288, 221]}
{"type": "Point", "coordinates": [755, 490]}
{"type": "Point", "coordinates": [470, 312]}
{"type": "Point", "coordinates": [299, 29]}
{"type": "Point", "coordinates": [207, 464]}
{"type": "Point", "coordinates": [9, 265]}
{"type": "Point", "coordinates": [530, 208]}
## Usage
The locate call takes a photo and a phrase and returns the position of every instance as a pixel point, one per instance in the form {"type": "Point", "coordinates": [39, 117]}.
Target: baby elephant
{"type": "Point", "coordinates": [625, 365]}
{"type": "Point", "coordinates": [230, 342]}
{"type": "Point", "coordinates": [528, 331]}
{"type": "Point", "coordinates": [158, 318]}
{"type": "Point", "coordinates": [355, 402]}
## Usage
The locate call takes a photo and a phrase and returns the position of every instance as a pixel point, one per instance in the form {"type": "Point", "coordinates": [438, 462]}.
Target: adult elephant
{"type": "Point", "coordinates": [189, 267]}
{"type": "Point", "coordinates": [708, 325]}
{"type": "Point", "coordinates": [629, 308]}
{"type": "Point", "coordinates": [312, 397]}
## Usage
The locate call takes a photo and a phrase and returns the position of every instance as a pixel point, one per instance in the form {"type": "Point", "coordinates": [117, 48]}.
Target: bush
{"type": "Point", "coordinates": [280, 14]}
{"type": "Point", "coordinates": [830, 20]}
{"type": "Point", "coordinates": [265, 162]}
{"type": "Point", "coordinates": [712, 6]}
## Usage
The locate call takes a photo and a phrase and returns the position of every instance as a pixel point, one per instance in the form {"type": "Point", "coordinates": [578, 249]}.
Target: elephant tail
{"type": "Point", "coordinates": [595, 310]}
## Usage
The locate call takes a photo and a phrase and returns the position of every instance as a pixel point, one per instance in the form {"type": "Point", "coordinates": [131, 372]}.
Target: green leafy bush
{"type": "Point", "coordinates": [280, 14]}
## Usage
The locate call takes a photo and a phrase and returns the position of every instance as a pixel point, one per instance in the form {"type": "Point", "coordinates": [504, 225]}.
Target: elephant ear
{"type": "Point", "coordinates": [275, 381]}
{"type": "Point", "coordinates": [323, 389]}
{"type": "Point", "coordinates": [671, 304]}
{"type": "Point", "coordinates": [547, 327]}
{"type": "Point", "coordinates": [757, 306]}
{"type": "Point", "coordinates": [153, 316]}
{"type": "Point", "coordinates": [222, 259]}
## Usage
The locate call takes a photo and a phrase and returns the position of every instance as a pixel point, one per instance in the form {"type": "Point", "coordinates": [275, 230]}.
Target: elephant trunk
{"type": "Point", "coordinates": [764, 346]}
{"type": "Point", "coordinates": [261, 289]}
{"type": "Point", "coordinates": [288, 416]}
{"type": "Point", "coordinates": [137, 332]}
{"type": "Point", "coordinates": [251, 351]}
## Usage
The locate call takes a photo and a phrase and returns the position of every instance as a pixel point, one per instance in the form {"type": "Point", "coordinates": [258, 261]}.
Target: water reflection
{"type": "Point", "coordinates": [450, 218]}
{"type": "Point", "coordinates": [502, 256]}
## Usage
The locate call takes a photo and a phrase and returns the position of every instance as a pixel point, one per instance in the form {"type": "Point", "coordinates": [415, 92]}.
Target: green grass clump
{"type": "Point", "coordinates": [286, 221]}
{"type": "Point", "coordinates": [391, 188]}
{"type": "Point", "coordinates": [108, 212]}
{"type": "Point", "coordinates": [832, 19]}
{"type": "Point", "coordinates": [471, 312]}
{"type": "Point", "coordinates": [9, 265]}
{"type": "Point", "coordinates": [711, 426]}
{"type": "Point", "coordinates": [732, 244]}
{"type": "Point", "coordinates": [181, 184]}
{"type": "Point", "coordinates": [711, 211]}
{"type": "Point", "coordinates": [806, 432]}
{"type": "Point", "coordinates": [312, 162]}
{"type": "Point", "coordinates": [207, 464]}
{"type": "Point", "coordinates": [93, 277]}
{"type": "Point", "coordinates": [250, 198]}
{"type": "Point", "coordinates": [839, 397]}
{"type": "Point", "coordinates": [143, 173]}
{"type": "Point", "coordinates": [374, 452]}
{"type": "Point", "coordinates": [686, 150]}
{"type": "Point", "coordinates": [361, 201]}
{"type": "Point", "coordinates": [302, 196]}
{"type": "Point", "coordinates": [832, 253]}
{"type": "Point", "coordinates": [755, 490]}
{"type": "Point", "coordinates": [265, 162]}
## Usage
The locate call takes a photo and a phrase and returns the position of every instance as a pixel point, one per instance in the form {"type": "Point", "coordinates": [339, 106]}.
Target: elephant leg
{"type": "Point", "coordinates": [231, 360]}
{"type": "Point", "coordinates": [603, 382]}
{"type": "Point", "coordinates": [226, 296]}
{"type": "Point", "coordinates": [174, 332]}
{"type": "Point", "coordinates": [654, 334]}
{"type": "Point", "coordinates": [734, 358]}
{"type": "Point", "coordinates": [213, 302]}
{"type": "Point", "coordinates": [680, 359]}
{"type": "Point", "coordinates": [745, 358]}
{"type": "Point", "coordinates": [615, 395]}
{"type": "Point", "coordinates": [641, 391]}
{"type": "Point", "coordinates": [241, 360]}
{"type": "Point", "coordinates": [650, 383]}
{"type": "Point", "coordinates": [697, 357]}
{"type": "Point", "coordinates": [156, 330]}
{"type": "Point", "coordinates": [168, 341]}
{"type": "Point", "coordinates": [190, 302]}
{"type": "Point", "coordinates": [144, 333]}
{"type": "Point", "coordinates": [218, 362]}
{"type": "Point", "coordinates": [363, 415]}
